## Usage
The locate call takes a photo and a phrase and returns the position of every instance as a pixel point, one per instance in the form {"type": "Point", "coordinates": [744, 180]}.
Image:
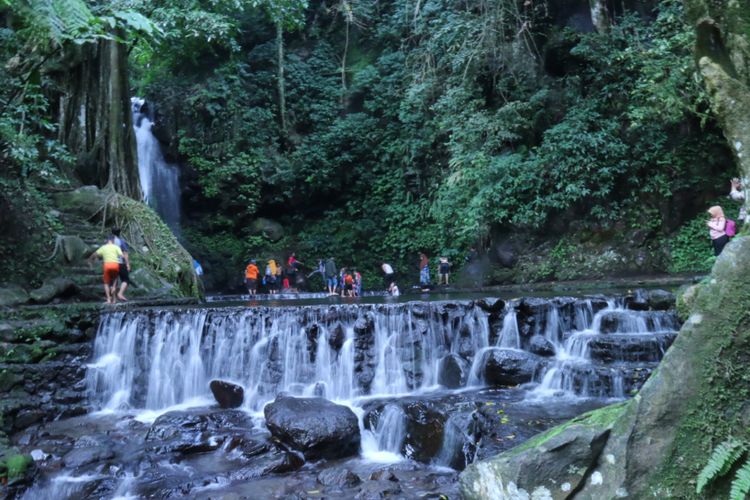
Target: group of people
{"type": "Point", "coordinates": [116, 266]}
{"type": "Point", "coordinates": [346, 282]}
{"type": "Point", "coordinates": [275, 276]}
{"type": "Point", "coordinates": [721, 228]}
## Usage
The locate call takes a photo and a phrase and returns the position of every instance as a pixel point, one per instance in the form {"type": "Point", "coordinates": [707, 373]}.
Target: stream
{"type": "Point", "coordinates": [434, 385]}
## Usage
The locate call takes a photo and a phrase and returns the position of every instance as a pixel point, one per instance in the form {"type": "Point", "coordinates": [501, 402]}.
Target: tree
{"type": "Point", "coordinates": [286, 15]}
{"type": "Point", "coordinates": [91, 94]}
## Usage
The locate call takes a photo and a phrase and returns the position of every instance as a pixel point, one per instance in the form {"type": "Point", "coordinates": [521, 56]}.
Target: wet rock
{"type": "Point", "coordinates": [12, 295]}
{"type": "Point", "coordinates": [79, 457]}
{"type": "Point", "coordinates": [55, 287]}
{"type": "Point", "coordinates": [315, 426]}
{"type": "Point", "coordinates": [274, 460]}
{"type": "Point", "coordinates": [453, 371]}
{"type": "Point", "coordinates": [637, 300]}
{"type": "Point", "coordinates": [661, 300]}
{"type": "Point", "coordinates": [386, 474]}
{"type": "Point", "coordinates": [630, 348]}
{"type": "Point", "coordinates": [541, 346]}
{"type": "Point", "coordinates": [227, 394]}
{"type": "Point", "coordinates": [491, 305]}
{"type": "Point", "coordinates": [336, 337]}
{"type": "Point", "coordinates": [341, 477]}
{"type": "Point", "coordinates": [195, 431]}
{"type": "Point", "coordinates": [425, 425]}
{"type": "Point", "coordinates": [364, 352]}
{"type": "Point", "coordinates": [506, 367]}
{"type": "Point", "coordinates": [557, 461]}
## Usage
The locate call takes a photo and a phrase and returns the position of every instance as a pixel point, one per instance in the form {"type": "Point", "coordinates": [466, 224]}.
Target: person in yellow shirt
{"type": "Point", "coordinates": [111, 255]}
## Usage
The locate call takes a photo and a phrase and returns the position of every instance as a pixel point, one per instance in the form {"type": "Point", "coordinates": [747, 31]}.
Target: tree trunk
{"type": "Point", "coordinates": [95, 120]}
{"type": "Point", "coordinates": [599, 15]}
{"type": "Point", "coordinates": [343, 66]}
{"type": "Point", "coordinates": [280, 79]}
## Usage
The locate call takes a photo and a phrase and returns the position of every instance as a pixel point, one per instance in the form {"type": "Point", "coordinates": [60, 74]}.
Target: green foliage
{"type": "Point", "coordinates": [691, 248]}
{"type": "Point", "coordinates": [741, 483]}
{"type": "Point", "coordinates": [722, 461]}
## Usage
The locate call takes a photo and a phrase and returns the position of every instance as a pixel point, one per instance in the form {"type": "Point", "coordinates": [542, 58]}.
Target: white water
{"type": "Point", "coordinates": [160, 181]}
{"type": "Point", "coordinates": [156, 361]}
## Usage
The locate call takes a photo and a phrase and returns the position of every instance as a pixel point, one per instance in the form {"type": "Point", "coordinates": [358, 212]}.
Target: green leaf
{"type": "Point", "coordinates": [741, 483]}
{"type": "Point", "coordinates": [722, 459]}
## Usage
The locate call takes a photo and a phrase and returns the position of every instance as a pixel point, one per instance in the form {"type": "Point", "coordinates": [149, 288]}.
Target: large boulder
{"type": "Point", "coordinates": [661, 300]}
{"type": "Point", "coordinates": [227, 394]}
{"type": "Point", "coordinates": [198, 430]}
{"type": "Point", "coordinates": [540, 346]}
{"type": "Point", "coordinates": [74, 248]}
{"type": "Point", "coordinates": [84, 201]}
{"type": "Point", "coordinates": [55, 287]}
{"type": "Point", "coordinates": [453, 371]}
{"type": "Point", "coordinates": [506, 367]}
{"type": "Point", "coordinates": [315, 426]}
{"type": "Point", "coordinates": [267, 228]}
{"type": "Point", "coordinates": [552, 465]}
{"type": "Point", "coordinates": [12, 295]}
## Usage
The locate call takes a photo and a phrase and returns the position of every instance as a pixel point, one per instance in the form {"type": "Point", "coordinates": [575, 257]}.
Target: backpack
{"type": "Point", "coordinates": [731, 228]}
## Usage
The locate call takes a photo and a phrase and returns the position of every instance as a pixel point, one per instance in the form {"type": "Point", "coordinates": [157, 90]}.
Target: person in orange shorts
{"type": "Point", "coordinates": [111, 255]}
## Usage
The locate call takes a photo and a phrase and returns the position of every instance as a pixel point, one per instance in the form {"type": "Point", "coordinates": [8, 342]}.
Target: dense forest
{"type": "Point", "coordinates": [558, 143]}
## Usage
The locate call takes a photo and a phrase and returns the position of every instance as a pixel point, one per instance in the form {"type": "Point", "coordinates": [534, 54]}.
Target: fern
{"type": "Point", "coordinates": [741, 483]}
{"type": "Point", "coordinates": [722, 459]}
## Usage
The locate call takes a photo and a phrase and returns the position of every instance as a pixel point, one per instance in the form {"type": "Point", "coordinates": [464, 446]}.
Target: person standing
{"type": "Point", "coordinates": [251, 278]}
{"type": "Point", "coordinates": [330, 270]}
{"type": "Point", "coordinates": [424, 270]}
{"type": "Point", "coordinates": [270, 276]}
{"type": "Point", "coordinates": [124, 262]}
{"type": "Point", "coordinates": [357, 283]}
{"type": "Point", "coordinates": [717, 229]}
{"type": "Point", "coordinates": [110, 255]}
{"type": "Point", "coordinates": [444, 269]}
{"type": "Point", "coordinates": [388, 274]}
{"type": "Point", "coordinates": [737, 193]}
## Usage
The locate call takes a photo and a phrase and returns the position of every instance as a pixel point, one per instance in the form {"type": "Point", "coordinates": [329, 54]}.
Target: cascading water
{"type": "Point", "coordinates": [160, 181]}
{"type": "Point", "coordinates": [614, 335]}
{"type": "Point", "coordinates": [155, 360]}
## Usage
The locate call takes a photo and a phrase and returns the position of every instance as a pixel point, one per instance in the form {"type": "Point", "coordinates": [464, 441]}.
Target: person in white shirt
{"type": "Point", "coordinates": [388, 274]}
{"type": "Point", "coordinates": [738, 193]}
{"type": "Point", "coordinates": [393, 290]}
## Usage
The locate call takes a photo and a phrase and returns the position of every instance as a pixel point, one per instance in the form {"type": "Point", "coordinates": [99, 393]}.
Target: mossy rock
{"type": "Point", "coordinates": [551, 465]}
{"type": "Point", "coordinates": [12, 295]}
{"type": "Point", "coordinates": [86, 201]}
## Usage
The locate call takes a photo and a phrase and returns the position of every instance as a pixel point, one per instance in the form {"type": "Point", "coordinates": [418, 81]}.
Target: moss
{"type": "Point", "coordinates": [154, 245]}
{"type": "Point", "coordinates": [15, 466]}
{"type": "Point", "coordinates": [601, 417]}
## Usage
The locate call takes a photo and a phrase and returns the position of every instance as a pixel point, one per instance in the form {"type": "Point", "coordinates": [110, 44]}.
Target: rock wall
{"type": "Point", "coordinates": [43, 355]}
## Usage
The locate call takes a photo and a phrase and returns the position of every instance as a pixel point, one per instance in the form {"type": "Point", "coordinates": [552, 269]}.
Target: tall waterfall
{"type": "Point", "coordinates": [160, 181]}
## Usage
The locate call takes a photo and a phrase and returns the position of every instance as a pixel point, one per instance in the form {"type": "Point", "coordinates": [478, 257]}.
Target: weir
{"type": "Point", "coordinates": [352, 354]}
{"type": "Point", "coordinates": [432, 387]}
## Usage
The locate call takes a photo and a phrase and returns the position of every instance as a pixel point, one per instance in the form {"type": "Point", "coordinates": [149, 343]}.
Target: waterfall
{"type": "Point", "coordinates": [620, 337]}
{"type": "Point", "coordinates": [157, 359]}
{"type": "Point", "coordinates": [153, 360]}
{"type": "Point", "coordinates": [160, 181]}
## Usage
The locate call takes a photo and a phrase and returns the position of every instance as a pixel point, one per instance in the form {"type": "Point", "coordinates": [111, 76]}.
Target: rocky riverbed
{"type": "Point", "coordinates": [335, 401]}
